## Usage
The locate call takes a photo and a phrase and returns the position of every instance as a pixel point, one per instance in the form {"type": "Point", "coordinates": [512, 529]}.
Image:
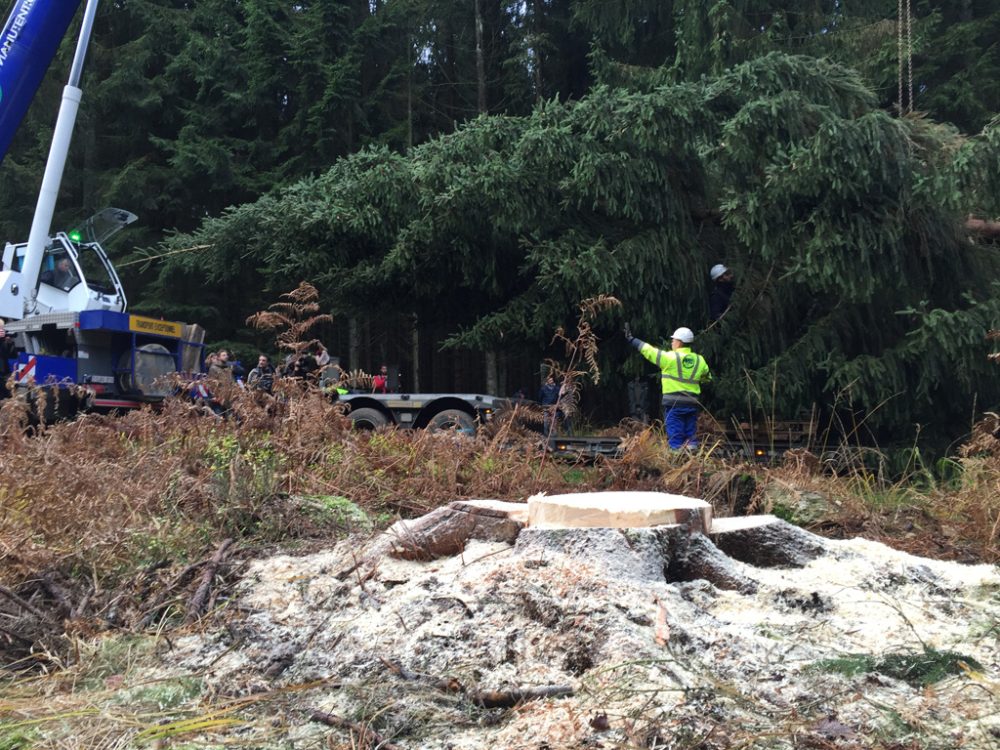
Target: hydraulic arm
{"type": "Point", "coordinates": [28, 43]}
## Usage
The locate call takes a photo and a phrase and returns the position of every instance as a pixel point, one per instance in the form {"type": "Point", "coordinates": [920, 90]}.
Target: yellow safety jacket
{"type": "Point", "coordinates": [681, 372]}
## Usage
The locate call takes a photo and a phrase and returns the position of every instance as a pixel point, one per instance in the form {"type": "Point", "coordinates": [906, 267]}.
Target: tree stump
{"type": "Point", "coordinates": [766, 542]}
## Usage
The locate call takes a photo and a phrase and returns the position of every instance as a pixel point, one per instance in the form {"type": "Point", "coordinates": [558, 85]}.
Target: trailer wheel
{"type": "Point", "coordinates": [368, 418]}
{"type": "Point", "coordinates": [453, 419]}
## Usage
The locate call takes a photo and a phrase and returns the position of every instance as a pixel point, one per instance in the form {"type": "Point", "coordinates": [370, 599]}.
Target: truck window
{"type": "Point", "coordinates": [94, 270]}
{"type": "Point", "coordinates": [58, 269]}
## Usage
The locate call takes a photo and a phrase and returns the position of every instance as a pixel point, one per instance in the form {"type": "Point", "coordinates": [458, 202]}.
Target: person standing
{"type": "Point", "coordinates": [548, 397]}
{"type": "Point", "coordinates": [380, 382]}
{"type": "Point", "coordinates": [721, 295]}
{"type": "Point", "coordinates": [8, 351]}
{"type": "Point", "coordinates": [321, 354]}
{"type": "Point", "coordinates": [261, 377]}
{"type": "Point", "coordinates": [682, 372]}
{"type": "Point", "coordinates": [220, 368]}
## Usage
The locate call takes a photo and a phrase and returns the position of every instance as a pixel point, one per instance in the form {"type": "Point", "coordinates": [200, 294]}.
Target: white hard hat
{"type": "Point", "coordinates": [718, 270]}
{"type": "Point", "coordinates": [684, 335]}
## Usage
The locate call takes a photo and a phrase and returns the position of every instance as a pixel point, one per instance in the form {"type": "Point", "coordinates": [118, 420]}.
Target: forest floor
{"type": "Point", "coordinates": [171, 580]}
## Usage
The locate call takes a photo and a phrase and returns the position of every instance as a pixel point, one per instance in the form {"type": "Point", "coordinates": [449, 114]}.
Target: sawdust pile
{"type": "Point", "coordinates": [839, 653]}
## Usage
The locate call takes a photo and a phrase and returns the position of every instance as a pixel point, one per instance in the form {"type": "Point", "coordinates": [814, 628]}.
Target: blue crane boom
{"type": "Point", "coordinates": [28, 43]}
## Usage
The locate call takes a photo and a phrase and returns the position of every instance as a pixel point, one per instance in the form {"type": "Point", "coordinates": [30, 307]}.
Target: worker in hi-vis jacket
{"type": "Point", "coordinates": [682, 372]}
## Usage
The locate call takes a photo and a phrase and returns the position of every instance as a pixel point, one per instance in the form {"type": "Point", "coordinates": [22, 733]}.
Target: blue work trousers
{"type": "Point", "coordinates": [681, 424]}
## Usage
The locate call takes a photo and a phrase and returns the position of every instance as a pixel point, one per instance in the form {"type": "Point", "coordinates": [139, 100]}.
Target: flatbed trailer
{"type": "Point", "coordinates": [763, 443]}
{"type": "Point", "coordinates": [437, 411]}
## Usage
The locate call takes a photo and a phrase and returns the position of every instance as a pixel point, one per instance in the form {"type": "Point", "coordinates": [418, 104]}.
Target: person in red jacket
{"type": "Point", "coordinates": [380, 383]}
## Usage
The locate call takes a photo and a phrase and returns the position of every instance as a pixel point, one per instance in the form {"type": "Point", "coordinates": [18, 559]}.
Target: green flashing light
{"type": "Point", "coordinates": [75, 235]}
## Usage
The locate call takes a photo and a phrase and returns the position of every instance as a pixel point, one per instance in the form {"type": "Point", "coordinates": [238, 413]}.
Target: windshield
{"type": "Point", "coordinates": [102, 225]}
{"type": "Point", "coordinates": [94, 270]}
{"type": "Point", "coordinates": [58, 269]}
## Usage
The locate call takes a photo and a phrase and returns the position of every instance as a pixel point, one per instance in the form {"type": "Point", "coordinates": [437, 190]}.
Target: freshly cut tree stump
{"type": "Point", "coordinates": [618, 510]}
{"type": "Point", "coordinates": [766, 542]}
{"type": "Point", "coordinates": [445, 531]}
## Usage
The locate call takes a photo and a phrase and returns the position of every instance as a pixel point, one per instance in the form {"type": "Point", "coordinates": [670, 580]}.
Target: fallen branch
{"type": "Point", "coordinates": [162, 599]}
{"type": "Point", "coordinates": [57, 594]}
{"type": "Point", "coordinates": [367, 736]}
{"type": "Point", "coordinates": [197, 603]}
{"type": "Point", "coordinates": [26, 606]}
{"type": "Point", "coordinates": [982, 226]}
{"type": "Point", "coordinates": [483, 698]}
{"type": "Point", "coordinates": [11, 635]}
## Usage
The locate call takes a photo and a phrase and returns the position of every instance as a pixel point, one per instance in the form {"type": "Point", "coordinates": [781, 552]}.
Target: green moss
{"type": "Point", "coordinates": [783, 512]}
{"type": "Point", "coordinates": [335, 510]}
{"type": "Point", "coordinates": [116, 655]}
{"type": "Point", "coordinates": [163, 695]}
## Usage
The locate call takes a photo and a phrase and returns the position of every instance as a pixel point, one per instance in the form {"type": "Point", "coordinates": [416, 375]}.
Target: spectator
{"type": "Point", "coordinates": [548, 397]}
{"type": "Point", "coordinates": [7, 353]}
{"type": "Point", "coordinates": [261, 377]}
{"type": "Point", "coordinates": [321, 354]}
{"type": "Point", "coordinates": [304, 365]}
{"type": "Point", "coordinates": [221, 369]}
{"type": "Point", "coordinates": [380, 383]}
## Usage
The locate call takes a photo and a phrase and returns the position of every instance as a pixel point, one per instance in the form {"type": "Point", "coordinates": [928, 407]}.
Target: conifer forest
{"type": "Point", "coordinates": [455, 176]}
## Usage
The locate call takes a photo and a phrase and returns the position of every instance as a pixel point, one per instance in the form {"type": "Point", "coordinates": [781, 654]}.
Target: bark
{"type": "Point", "coordinates": [480, 59]}
{"type": "Point", "coordinates": [445, 531]}
{"type": "Point", "coordinates": [197, 604]}
{"type": "Point", "coordinates": [766, 542]}
{"type": "Point", "coordinates": [353, 344]}
{"type": "Point", "coordinates": [491, 373]}
{"type": "Point", "coordinates": [538, 7]}
{"type": "Point", "coordinates": [367, 737]}
{"type": "Point", "coordinates": [415, 354]}
{"type": "Point", "coordinates": [695, 558]}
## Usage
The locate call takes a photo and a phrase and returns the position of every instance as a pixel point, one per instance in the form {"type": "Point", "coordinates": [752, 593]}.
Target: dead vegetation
{"type": "Point", "coordinates": [120, 521]}
{"type": "Point", "coordinates": [119, 533]}
{"type": "Point", "coordinates": [136, 526]}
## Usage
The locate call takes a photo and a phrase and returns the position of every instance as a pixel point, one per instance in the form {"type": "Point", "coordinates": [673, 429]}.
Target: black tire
{"type": "Point", "coordinates": [368, 418]}
{"type": "Point", "coordinates": [453, 419]}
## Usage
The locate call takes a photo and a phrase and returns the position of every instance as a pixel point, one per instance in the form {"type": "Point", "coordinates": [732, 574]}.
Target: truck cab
{"type": "Point", "coordinates": [76, 274]}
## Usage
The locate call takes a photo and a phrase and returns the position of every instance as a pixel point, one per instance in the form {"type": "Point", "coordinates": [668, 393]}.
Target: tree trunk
{"type": "Point", "coordinates": [491, 372]}
{"type": "Point", "coordinates": [353, 344]}
{"type": "Point", "coordinates": [536, 45]}
{"type": "Point", "coordinates": [480, 59]}
{"type": "Point", "coordinates": [409, 110]}
{"type": "Point", "coordinates": [502, 387]}
{"type": "Point", "coordinates": [415, 353]}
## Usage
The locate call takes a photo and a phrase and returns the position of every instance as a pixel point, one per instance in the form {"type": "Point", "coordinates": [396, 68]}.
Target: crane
{"type": "Point", "coordinates": [61, 290]}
